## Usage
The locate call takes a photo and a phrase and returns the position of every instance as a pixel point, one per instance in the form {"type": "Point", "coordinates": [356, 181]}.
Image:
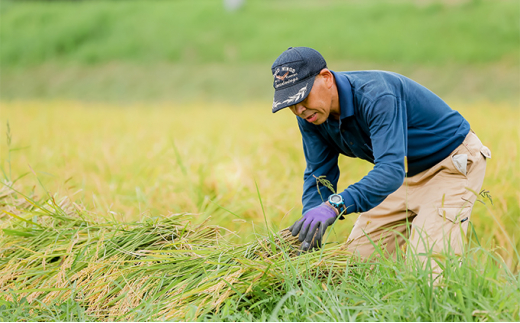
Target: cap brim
{"type": "Point", "coordinates": [286, 97]}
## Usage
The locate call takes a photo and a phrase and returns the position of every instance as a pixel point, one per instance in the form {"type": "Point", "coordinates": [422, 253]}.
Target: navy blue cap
{"type": "Point", "coordinates": [294, 72]}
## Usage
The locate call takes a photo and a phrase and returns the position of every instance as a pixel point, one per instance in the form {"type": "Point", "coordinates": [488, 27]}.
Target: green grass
{"type": "Point", "coordinates": [184, 31]}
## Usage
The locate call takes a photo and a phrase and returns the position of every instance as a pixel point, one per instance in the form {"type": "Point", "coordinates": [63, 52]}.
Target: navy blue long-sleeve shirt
{"type": "Point", "coordinates": [384, 117]}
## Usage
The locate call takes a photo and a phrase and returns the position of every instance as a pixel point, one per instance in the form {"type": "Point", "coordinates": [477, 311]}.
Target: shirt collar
{"type": "Point", "coordinates": [346, 101]}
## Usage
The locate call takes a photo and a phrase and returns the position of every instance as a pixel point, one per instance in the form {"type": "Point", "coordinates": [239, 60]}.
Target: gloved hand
{"type": "Point", "coordinates": [311, 227]}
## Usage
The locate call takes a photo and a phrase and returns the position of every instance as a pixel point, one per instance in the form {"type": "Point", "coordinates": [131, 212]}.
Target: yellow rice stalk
{"type": "Point", "coordinates": [231, 279]}
{"type": "Point", "coordinates": [133, 296]}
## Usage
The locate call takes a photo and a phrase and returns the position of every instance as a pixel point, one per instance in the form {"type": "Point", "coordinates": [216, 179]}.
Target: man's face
{"type": "Point", "coordinates": [316, 108]}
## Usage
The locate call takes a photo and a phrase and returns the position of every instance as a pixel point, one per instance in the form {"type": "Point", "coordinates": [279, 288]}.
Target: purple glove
{"type": "Point", "coordinates": [311, 227]}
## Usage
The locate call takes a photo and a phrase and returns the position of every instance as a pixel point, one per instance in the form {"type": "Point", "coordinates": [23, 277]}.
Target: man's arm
{"type": "Point", "coordinates": [321, 160]}
{"type": "Point", "coordinates": [387, 124]}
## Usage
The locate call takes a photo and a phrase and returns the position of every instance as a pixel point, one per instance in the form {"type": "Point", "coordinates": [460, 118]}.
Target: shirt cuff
{"type": "Point", "coordinates": [350, 204]}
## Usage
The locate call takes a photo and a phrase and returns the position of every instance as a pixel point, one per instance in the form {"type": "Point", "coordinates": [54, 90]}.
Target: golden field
{"type": "Point", "coordinates": [217, 161]}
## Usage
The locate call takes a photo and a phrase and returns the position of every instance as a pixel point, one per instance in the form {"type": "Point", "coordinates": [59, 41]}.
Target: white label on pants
{"type": "Point", "coordinates": [460, 161]}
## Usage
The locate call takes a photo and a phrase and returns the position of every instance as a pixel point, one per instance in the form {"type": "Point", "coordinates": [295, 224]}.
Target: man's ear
{"type": "Point", "coordinates": [328, 78]}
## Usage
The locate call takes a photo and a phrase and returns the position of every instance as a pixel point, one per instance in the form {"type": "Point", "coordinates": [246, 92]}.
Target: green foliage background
{"type": "Point", "coordinates": [67, 49]}
{"type": "Point", "coordinates": [203, 32]}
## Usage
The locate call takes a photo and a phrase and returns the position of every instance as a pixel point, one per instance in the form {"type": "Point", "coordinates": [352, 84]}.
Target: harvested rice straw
{"type": "Point", "coordinates": [110, 268]}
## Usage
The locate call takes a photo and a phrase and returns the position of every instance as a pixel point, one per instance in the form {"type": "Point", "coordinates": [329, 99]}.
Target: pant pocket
{"type": "Point", "coordinates": [485, 152]}
{"type": "Point", "coordinates": [460, 162]}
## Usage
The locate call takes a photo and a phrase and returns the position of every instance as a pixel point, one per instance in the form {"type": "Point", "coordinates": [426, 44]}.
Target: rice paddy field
{"type": "Point", "coordinates": [158, 211]}
{"type": "Point", "coordinates": [144, 178]}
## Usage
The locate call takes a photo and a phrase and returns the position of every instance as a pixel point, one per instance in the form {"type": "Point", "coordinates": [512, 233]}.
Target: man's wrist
{"type": "Point", "coordinates": [332, 207]}
{"type": "Point", "coordinates": [350, 204]}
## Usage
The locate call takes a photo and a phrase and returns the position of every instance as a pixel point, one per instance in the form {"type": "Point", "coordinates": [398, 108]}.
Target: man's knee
{"type": "Point", "coordinates": [383, 242]}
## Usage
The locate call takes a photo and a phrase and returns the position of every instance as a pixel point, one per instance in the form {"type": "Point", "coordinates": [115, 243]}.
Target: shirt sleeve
{"type": "Point", "coordinates": [387, 123]}
{"type": "Point", "coordinates": [322, 159]}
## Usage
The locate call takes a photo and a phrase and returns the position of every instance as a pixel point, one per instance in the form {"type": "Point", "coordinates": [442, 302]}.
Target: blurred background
{"type": "Point", "coordinates": [139, 108]}
{"type": "Point", "coordinates": [221, 51]}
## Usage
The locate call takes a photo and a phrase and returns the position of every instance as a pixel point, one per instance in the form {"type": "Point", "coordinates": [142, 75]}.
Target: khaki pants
{"type": "Point", "coordinates": [431, 209]}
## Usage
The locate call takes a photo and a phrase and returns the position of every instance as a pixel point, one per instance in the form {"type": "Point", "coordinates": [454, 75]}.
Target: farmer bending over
{"type": "Point", "coordinates": [425, 156]}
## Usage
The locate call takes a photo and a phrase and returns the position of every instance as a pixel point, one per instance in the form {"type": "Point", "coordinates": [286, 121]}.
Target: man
{"type": "Point", "coordinates": [428, 165]}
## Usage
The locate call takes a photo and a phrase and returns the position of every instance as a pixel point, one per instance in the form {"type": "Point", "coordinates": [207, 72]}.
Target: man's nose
{"type": "Point", "coordinates": [299, 109]}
